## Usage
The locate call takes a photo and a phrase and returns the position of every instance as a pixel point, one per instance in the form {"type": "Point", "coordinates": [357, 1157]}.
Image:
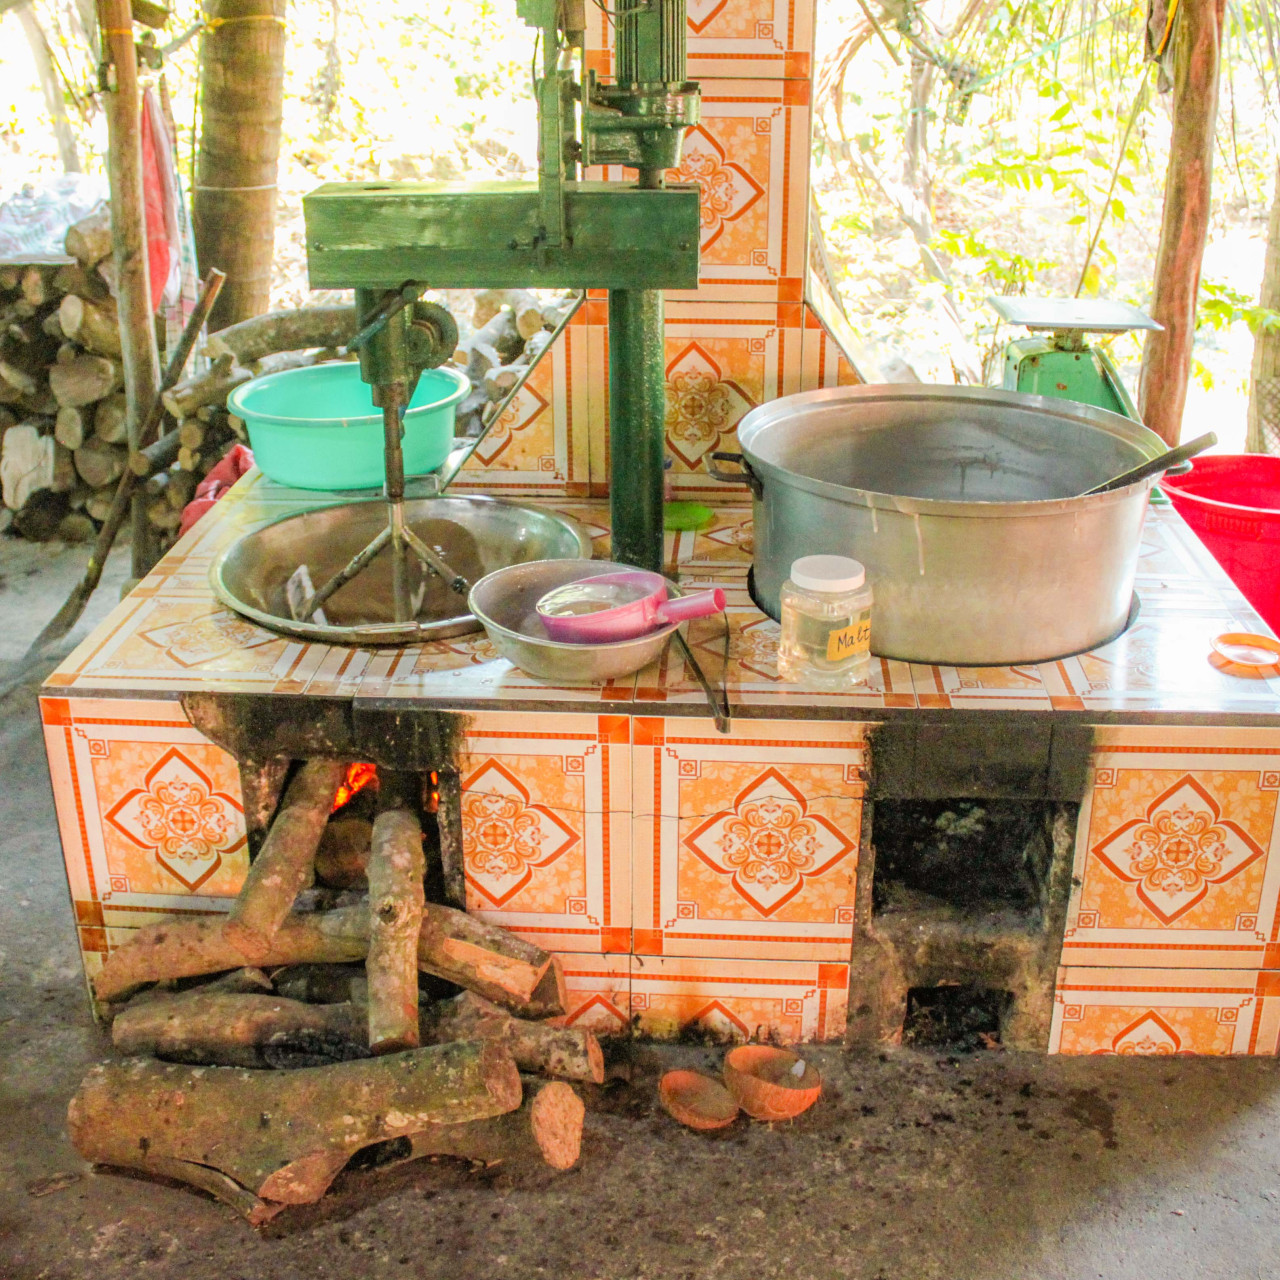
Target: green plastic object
{"type": "Point", "coordinates": [686, 517]}
{"type": "Point", "coordinates": [1038, 367]}
{"type": "Point", "coordinates": [317, 428]}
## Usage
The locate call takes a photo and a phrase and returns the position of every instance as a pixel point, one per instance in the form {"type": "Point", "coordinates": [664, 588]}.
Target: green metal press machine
{"type": "Point", "coordinates": [393, 241]}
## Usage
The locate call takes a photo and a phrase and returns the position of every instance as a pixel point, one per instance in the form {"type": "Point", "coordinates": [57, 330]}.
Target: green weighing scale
{"type": "Point", "coordinates": [1056, 361]}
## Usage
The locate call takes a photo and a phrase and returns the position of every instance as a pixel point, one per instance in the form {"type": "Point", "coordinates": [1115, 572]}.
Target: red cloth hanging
{"type": "Point", "coordinates": [220, 478]}
{"type": "Point", "coordinates": [153, 206]}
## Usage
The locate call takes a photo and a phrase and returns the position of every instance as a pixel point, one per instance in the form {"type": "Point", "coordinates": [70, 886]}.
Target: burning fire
{"type": "Point", "coordinates": [358, 777]}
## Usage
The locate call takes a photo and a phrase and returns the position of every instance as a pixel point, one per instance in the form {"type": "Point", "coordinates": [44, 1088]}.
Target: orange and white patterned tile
{"type": "Point", "coordinates": [546, 828]}
{"type": "Point", "coordinates": [746, 844]}
{"type": "Point", "coordinates": [785, 1001]}
{"type": "Point", "coordinates": [540, 444]}
{"type": "Point", "coordinates": [1165, 1012]}
{"type": "Point", "coordinates": [722, 359]}
{"type": "Point", "coordinates": [598, 988]}
{"type": "Point", "coordinates": [995, 687]}
{"type": "Point", "coordinates": [149, 811]}
{"type": "Point", "coordinates": [728, 39]}
{"type": "Point", "coordinates": [1176, 858]}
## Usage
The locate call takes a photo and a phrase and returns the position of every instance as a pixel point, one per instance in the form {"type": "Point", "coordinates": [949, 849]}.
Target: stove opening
{"type": "Point", "coordinates": [359, 776]}
{"type": "Point", "coordinates": [962, 1017]}
{"type": "Point", "coordinates": [976, 855]}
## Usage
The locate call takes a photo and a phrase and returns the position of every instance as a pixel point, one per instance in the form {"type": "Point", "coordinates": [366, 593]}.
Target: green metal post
{"type": "Point", "coordinates": [637, 420]}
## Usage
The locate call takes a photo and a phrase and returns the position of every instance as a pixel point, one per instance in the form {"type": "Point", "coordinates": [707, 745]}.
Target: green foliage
{"type": "Point", "coordinates": [1221, 306]}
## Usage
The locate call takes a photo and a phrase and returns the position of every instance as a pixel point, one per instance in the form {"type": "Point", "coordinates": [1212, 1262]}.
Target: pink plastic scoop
{"type": "Point", "coordinates": [619, 606]}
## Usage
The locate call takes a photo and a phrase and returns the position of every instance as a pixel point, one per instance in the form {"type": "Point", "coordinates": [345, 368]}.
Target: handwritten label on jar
{"type": "Point", "coordinates": [847, 641]}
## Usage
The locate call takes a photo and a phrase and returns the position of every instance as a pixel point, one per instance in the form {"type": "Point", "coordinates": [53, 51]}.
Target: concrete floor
{"type": "Point", "coordinates": [912, 1166]}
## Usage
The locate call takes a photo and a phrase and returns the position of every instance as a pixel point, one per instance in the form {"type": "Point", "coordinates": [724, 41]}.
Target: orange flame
{"type": "Point", "coordinates": [358, 777]}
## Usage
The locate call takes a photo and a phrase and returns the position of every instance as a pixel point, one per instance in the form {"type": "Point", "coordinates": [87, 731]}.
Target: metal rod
{"type": "Point", "coordinates": [435, 562]}
{"type": "Point", "coordinates": [393, 431]}
{"type": "Point", "coordinates": [637, 421]}
{"type": "Point", "coordinates": [344, 575]}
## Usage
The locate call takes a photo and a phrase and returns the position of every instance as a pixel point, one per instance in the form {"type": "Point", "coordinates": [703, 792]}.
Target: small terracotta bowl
{"type": "Point", "coordinates": [764, 1081]}
{"type": "Point", "coordinates": [698, 1101]}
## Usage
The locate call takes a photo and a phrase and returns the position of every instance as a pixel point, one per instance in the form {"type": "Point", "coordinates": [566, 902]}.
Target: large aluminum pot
{"type": "Point", "coordinates": [961, 502]}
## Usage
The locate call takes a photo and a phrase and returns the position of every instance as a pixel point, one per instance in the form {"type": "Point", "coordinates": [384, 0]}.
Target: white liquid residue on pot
{"type": "Point", "coordinates": [919, 543]}
{"type": "Point", "coordinates": [875, 520]}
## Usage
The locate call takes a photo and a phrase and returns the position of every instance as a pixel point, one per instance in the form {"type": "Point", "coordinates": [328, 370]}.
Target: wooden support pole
{"type": "Point", "coordinates": [280, 1136]}
{"type": "Point", "coordinates": [129, 242]}
{"type": "Point", "coordinates": [1166, 355]}
{"type": "Point", "coordinates": [396, 902]}
{"type": "Point", "coordinates": [449, 824]}
{"type": "Point", "coordinates": [1264, 381]}
{"type": "Point", "coordinates": [282, 868]}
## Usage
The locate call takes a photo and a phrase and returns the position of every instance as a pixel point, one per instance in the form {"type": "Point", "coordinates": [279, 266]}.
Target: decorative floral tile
{"type": "Point", "coordinates": [746, 844]}
{"type": "Point", "coordinates": [546, 828]}
{"type": "Point", "coordinates": [149, 812]}
{"type": "Point", "coordinates": [540, 444]}
{"type": "Point", "coordinates": [995, 687]}
{"type": "Point", "coordinates": [728, 38]}
{"type": "Point", "coordinates": [1175, 849]}
{"type": "Point", "coordinates": [722, 360]}
{"type": "Point", "coordinates": [785, 1001]}
{"type": "Point", "coordinates": [599, 993]}
{"type": "Point", "coordinates": [1165, 1012]}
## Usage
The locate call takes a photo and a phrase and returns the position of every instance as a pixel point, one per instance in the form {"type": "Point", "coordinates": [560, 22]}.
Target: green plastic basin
{"type": "Point", "coordinates": [317, 428]}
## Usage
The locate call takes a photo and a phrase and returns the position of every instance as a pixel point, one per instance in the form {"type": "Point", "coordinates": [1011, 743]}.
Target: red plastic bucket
{"type": "Point", "coordinates": [1232, 501]}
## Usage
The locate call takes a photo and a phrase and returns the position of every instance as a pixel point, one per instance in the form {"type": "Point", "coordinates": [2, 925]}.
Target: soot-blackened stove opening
{"type": "Point", "coordinates": [961, 1016]}
{"type": "Point", "coordinates": [973, 855]}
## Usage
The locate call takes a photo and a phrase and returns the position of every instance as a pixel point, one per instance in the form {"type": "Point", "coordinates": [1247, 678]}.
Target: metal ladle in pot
{"type": "Point", "coordinates": [1154, 466]}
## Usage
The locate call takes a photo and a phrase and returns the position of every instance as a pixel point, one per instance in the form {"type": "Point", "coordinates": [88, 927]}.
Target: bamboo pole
{"type": "Point", "coordinates": [1166, 355]}
{"type": "Point", "coordinates": [129, 242]}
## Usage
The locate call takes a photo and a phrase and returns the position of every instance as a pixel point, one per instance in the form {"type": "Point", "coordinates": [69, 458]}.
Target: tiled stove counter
{"type": "Point", "coordinates": [610, 824]}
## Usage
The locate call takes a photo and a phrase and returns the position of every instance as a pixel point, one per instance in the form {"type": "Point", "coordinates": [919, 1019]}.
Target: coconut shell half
{"type": "Point", "coordinates": [769, 1083]}
{"type": "Point", "coordinates": [698, 1101]}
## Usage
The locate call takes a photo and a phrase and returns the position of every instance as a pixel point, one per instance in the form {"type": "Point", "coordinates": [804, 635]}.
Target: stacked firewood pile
{"type": "Point", "coordinates": [269, 1047]}
{"type": "Point", "coordinates": [62, 400]}
{"type": "Point", "coordinates": [512, 328]}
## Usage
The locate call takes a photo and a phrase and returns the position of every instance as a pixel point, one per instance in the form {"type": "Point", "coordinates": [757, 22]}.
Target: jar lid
{"type": "Point", "coordinates": [832, 574]}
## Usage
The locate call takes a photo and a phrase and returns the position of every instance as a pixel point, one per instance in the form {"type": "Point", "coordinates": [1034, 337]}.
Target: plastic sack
{"type": "Point", "coordinates": [34, 220]}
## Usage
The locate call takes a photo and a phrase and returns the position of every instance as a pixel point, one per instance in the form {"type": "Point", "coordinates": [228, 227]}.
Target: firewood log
{"type": "Point", "coordinates": [342, 858]}
{"type": "Point", "coordinates": [65, 478]}
{"type": "Point", "coordinates": [86, 379]}
{"type": "Point", "coordinates": [71, 277]}
{"type": "Point", "coordinates": [322, 983]}
{"type": "Point", "coordinates": [291, 330]}
{"type": "Point", "coordinates": [547, 1127]}
{"type": "Point", "coordinates": [284, 864]}
{"type": "Point", "coordinates": [281, 1136]}
{"type": "Point", "coordinates": [571, 1053]}
{"type": "Point", "coordinates": [70, 427]}
{"type": "Point", "coordinates": [93, 325]}
{"type": "Point", "coordinates": [191, 433]}
{"type": "Point", "coordinates": [89, 240]}
{"type": "Point", "coordinates": [98, 504]}
{"type": "Point", "coordinates": [227, 1029]}
{"type": "Point", "coordinates": [22, 382]}
{"type": "Point", "coordinates": [100, 463]}
{"type": "Point", "coordinates": [26, 464]}
{"type": "Point", "coordinates": [181, 489]}
{"type": "Point", "coordinates": [35, 286]}
{"type": "Point", "coordinates": [75, 526]}
{"type": "Point", "coordinates": [67, 352]}
{"type": "Point", "coordinates": [211, 387]}
{"type": "Point", "coordinates": [186, 948]}
{"type": "Point", "coordinates": [110, 419]}
{"type": "Point", "coordinates": [452, 945]}
{"type": "Point", "coordinates": [396, 901]}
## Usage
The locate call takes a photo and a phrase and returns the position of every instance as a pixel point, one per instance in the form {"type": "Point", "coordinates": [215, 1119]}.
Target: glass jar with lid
{"type": "Point", "coordinates": [826, 623]}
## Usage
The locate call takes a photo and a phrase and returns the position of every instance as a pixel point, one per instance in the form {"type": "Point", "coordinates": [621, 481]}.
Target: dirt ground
{"type": "Point", "coordinates": [912, 1166]}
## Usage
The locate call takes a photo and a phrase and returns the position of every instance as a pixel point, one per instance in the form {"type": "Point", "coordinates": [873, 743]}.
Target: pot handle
{"type": "Point", "coordinates": [745, 476]}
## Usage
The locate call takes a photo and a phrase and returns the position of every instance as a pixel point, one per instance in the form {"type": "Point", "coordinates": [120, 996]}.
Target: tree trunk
{"type": "Point", "coordinates": [1264, 382]}
{"type": "Point", "coordinates": [1166, 355]}
{"type": "Point", "coordinates": [54, 102]}
{"type": "Point", "coordinates": [241, 95]}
